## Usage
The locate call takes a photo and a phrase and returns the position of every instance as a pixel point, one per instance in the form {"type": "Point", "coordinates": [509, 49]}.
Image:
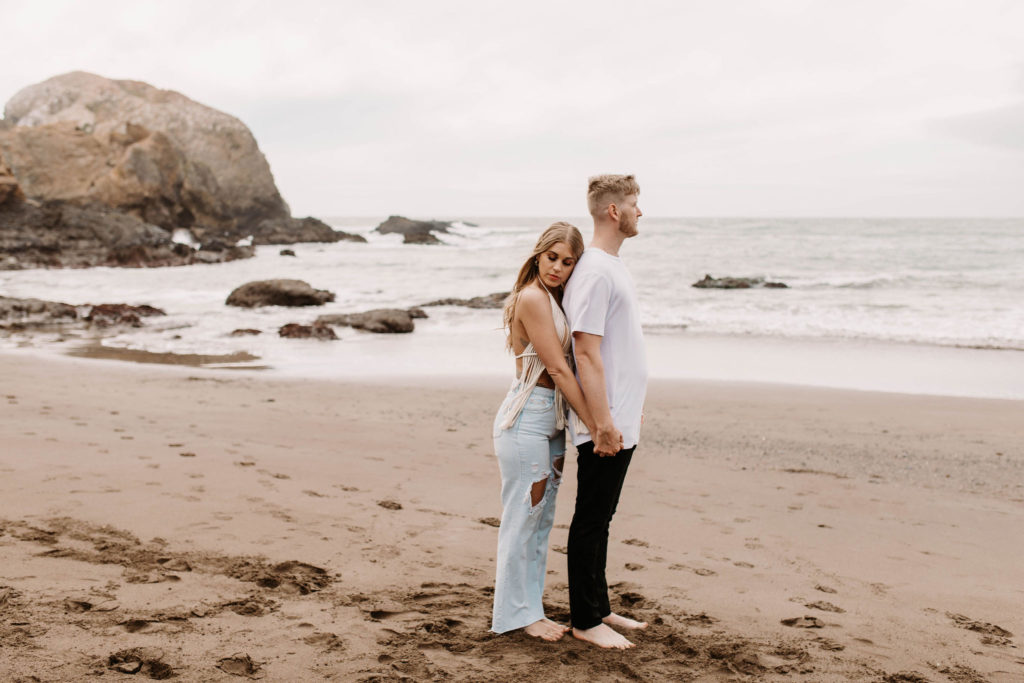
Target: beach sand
{"type": "Point", "coordinates": [211, 524]}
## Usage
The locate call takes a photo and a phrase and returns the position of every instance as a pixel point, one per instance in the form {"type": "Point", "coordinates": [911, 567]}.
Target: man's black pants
{"type": "Point", "coordinates": [599, 482]}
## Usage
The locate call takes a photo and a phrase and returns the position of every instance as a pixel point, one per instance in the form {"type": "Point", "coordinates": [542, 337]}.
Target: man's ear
{"type": "Point", "coordinates": [613, 212]}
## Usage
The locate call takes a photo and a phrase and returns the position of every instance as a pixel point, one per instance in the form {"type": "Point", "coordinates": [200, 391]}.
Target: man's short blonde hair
{"type": "Point", "coordinates": [603, 190]}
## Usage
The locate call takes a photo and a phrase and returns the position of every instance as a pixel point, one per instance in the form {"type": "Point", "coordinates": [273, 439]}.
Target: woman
{"type": "Point", "coordinates": [529, 430]}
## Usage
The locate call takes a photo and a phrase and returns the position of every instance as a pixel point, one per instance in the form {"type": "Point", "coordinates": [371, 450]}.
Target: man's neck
{"type": "Point", "coordinates": [608, 239]}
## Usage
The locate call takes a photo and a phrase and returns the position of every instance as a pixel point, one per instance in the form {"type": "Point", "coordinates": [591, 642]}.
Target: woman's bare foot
{"type": "Point", "coordinates": [603, 636]}
{"type": "Point", "coordinates": [545, 629]}
{"type": "Point", "coordinates": [619, 621]}
{"type": "Point", "coordinates": [565, 629]}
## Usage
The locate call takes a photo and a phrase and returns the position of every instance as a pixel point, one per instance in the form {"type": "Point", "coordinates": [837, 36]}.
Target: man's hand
{"type": "Point", "coordinates": [607, 441]}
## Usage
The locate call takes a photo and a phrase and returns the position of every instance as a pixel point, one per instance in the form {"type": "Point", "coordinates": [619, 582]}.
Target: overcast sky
{"type": "Point", "coordinates": [445, 108]}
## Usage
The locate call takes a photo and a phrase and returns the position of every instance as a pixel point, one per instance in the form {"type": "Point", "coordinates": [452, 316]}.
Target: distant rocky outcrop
{"type": "Point", "coordinates": [292, 230]}
{"type": "Point", "coordinates": [383, 320]}
{"type": "Point", "coordinates": [315, 331]}
{"type": "Point", "coordinates": [278, 293]}
{"type": "Point", "coordinates": [154, 156]}
{"type": "Point", "coordinates": [737, 283]}
{"type": "Point", "coordinates": [413, 231]}
{"type": "Point", "coordinates": [495, 300]}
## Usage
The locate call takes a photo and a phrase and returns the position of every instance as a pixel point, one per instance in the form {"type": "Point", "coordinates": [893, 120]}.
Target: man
{"type": "Point", "coordinates": [601, 305]}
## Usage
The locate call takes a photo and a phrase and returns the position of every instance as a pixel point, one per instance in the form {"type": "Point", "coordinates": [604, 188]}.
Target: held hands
{"type": "Point", "coordinates": [607, 441]}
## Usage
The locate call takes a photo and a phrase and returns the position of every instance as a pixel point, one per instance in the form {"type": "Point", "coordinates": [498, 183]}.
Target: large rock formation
{"type": "Point", "coordinates": [153, 155]}
{"type": "Point", "coordinates": [413, 231]}
{"type": "Point", "coordinates": [166, 158]}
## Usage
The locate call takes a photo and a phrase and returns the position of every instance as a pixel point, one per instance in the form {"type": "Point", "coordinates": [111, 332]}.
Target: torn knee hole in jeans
{"type": "Point", "coordinates": [536, 493]}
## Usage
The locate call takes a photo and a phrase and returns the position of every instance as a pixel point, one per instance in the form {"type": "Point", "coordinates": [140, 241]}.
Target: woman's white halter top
{"type": "Point", "coordinates": [533, 369]}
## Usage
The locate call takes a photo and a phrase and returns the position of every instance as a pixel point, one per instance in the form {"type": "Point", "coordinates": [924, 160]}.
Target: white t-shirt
{"type": "Point", "coordinates": [600, 299]}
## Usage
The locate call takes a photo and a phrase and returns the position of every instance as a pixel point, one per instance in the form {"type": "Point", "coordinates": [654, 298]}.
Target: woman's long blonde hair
{"type": "Point", "coordinates": [559, 231]}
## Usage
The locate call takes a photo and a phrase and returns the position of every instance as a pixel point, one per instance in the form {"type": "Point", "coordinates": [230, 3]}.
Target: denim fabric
{"type": "Point", "coordinates": [526, 453]}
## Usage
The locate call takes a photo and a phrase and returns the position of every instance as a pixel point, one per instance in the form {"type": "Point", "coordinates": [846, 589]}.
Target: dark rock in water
{"type": "Point", "coordinates": [105, 315]}
{"type": "Point", "coordinates": [278, 293]}
{"type": "Point", "coordinates": [384, 320]}
{"type": "Point", "coordinates": [317, 330]}
{"type": "Point", "coordinates": [292, 230]}
{"type": "Point", "coordinates": [737, 283]}
{"type": "Point", "coordinates": [287, 252]}
{"type": "Point", "coordinates": [413, 231]}
{"type": "Point", "coordinates": [19, 314]}
{"type": "Point", "coordinates": [245, 332]}
{"type": "Point", "coordinates": [495, 300]}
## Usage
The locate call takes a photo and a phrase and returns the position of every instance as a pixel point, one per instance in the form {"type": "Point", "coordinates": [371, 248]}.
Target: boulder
{"type": "Point", "coordinates": [736, 283]}
{"type": "Point", "coordinates": [413, 231]}
{"type": "Point", "coordinates": [292, 230]}
{"type": "Point", "coordinates": [278, 293]}
{"type": "Point", "coordinates": [495, 300]}
{"type": "Point", "coordinates": [315, 331]}
{"type": "Point", "coordinates": [383, 320]}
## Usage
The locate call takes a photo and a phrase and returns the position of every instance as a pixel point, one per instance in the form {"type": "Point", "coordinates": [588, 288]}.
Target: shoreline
{"type": "Point", "coordinates": [456, 344]}
{"type": "Point", "coordinates": [887, 518]}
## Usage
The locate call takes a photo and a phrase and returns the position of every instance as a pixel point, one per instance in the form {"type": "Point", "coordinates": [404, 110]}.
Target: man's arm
{"type": "Point", "coordinates": [607, 439]}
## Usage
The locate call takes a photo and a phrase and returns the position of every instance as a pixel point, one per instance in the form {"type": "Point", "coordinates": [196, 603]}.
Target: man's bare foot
{"type": "Point", "coordinates": [619, 621]}
{"type": "Point", "coordinates": [545, 629]}
{"type": "Point", "coordinates": [603, 636]}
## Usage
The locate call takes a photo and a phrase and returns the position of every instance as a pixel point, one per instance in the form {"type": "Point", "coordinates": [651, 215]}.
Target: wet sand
{"type": "Point", "coordinates": [210, 525]}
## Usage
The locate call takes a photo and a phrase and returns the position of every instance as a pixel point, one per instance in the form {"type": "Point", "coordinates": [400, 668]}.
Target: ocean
{"type": "Point", "coordinates": [914, 305]}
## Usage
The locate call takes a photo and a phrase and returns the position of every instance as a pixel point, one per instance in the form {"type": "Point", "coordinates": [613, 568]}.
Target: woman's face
{"type": "Point", "coordinates": [556, 265]}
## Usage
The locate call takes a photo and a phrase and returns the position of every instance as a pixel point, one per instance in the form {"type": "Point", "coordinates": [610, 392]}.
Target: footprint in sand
{"type": "Point", "coordinates": [389, 504]}
{"type": "Point", "coordinates": [803, 622]}
{"type": "Point", "coordinates": [825, 607]}
{"type": "Point", "coordinates": [490, 521]}
{"type": "Point", "coordinates": [637, 542]}
{"type": "Point", "coordinates": [240, 664]}
{"type": "Point", "coordinates": [633, 566]}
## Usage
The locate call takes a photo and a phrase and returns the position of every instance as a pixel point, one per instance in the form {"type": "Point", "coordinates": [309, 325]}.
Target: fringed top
{"type": "Point", "coordinates": [533, 369]}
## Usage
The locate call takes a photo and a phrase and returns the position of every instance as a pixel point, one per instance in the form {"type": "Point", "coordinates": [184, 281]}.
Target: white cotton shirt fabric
{"type": "Point", "coordinates": [600, 298]}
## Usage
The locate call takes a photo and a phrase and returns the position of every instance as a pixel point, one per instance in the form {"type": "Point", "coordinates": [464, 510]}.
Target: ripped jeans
{"type": "Point", "coordinates": [529, 452]}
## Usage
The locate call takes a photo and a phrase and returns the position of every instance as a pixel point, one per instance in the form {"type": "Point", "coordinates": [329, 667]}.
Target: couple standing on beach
{"type": "Point", "coordinates": [590, 321]}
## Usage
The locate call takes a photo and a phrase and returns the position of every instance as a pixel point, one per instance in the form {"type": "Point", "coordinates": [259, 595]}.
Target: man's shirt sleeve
{"type": "Point", "coordinates": [587, 308]}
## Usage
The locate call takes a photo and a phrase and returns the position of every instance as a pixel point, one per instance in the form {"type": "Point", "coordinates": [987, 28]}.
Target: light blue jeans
{"type": "Point", "coordinates": [526, 454]}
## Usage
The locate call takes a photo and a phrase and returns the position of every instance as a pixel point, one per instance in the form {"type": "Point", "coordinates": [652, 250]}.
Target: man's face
{"type": "Point", "coordinates": [629, 215]}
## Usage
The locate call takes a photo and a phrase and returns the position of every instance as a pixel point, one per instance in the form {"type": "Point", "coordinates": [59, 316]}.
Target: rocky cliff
{"type": "Point", "coordinates": [154, 156]}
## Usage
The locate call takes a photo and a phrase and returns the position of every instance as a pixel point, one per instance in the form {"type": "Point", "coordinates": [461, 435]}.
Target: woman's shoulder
{"type": "Point", "coordinates": [534, 299]}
